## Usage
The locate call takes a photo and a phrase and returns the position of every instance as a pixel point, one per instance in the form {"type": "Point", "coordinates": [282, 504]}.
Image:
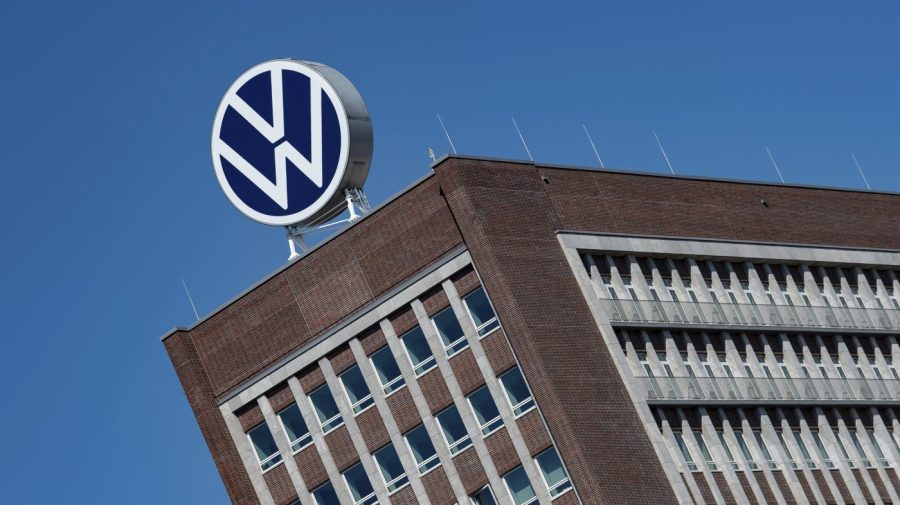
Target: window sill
{"type": "Point", "coordinates": [495, 430]}
{"type": "Point", "coordinates": [399, 388]}
{"type": "Point", "coordinates": [369, 406]}
{"type": "Point", "coordinates": [276, 465]}
{"type": "Point", "coordinates": [435, 467]}
{"type": "Point", "coordinates": [553, 498]}
{"type": "Point", "coordinates": [401, 488]}
{"type": "Point", "coordinates": [332, 430]}
{"type": "Point", "coordinates": [488, 334]}
{"type": "Point", "coordinates": [525, 413]}
{"type": "Point", "coordinates": [454, 455]}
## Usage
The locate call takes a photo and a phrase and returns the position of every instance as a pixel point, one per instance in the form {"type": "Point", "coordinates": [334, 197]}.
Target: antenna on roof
{"type": "Point", "coordinates": [593, 146]}
{"type": "Point", "coordinates": [861, 172]}
{"type": "Point", "coordinates": [521, 138]}
{"type": "Point", "coordinates": [774, 164]}
{"type": "Point", "coordinates": [431, 155]}
{"type": "Point", "coordinates": [190, 299]}
{"type": "Point", "coordinates": [663, 151]}
{"type": "Point", "coordinates": [446, 133]}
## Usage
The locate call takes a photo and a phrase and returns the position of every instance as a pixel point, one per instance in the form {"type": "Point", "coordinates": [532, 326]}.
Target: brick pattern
{"type": "Point", "coordinates": [438, 487]}
{"type": "Point", "coordinates": [311, 467]}
{"type": "Point", "coordinates": [279, 483]}
{"type": "Point", "coordinates": [822, 484]}
{"type": "Point", "coordinates": [404, 410]}
{"type": "Point", "coordinates": [507, 216]}
{"type": "Point", "coordinates": [532, 428]}
{"type": "Point", "coordinates": [373, 430]}
{"type": "Point", "coordinates": [405, 496]}
{"type": "Point", "coordinates": [435, 391]}
{"type": "Point", "coordinates": [502, 452]}
{"type": "Point", "coordinates": [434, 301]}
{"type": "Point", "coordinates": [722, 485]}
{"type": "Point", "coordinates": [250, 416]}
{"type": "Point", "coordinates": [340, 445]}
{"type": "Point", "coordinates": [471, 473]}
{"type": "Point", "coordinates": [341, 359]}
{"type": "Point", "coordinates": [466, 370]}
{"type": "Point", "coordinates": [281, 397]}
{"type": "Point", "coordinates": [499, 354]}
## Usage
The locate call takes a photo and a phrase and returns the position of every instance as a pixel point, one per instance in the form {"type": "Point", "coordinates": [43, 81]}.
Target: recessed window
{"type": "Point", "coordinates": [391, 468]}
{"type": "Point", "coordinates": [517, 391]}
{"type": "Point", "coordinates": [422, 449]}
{"type": "Point", "coordinates": [485, 410]}
{"type": "Point", "coordinates": [452, 336]}
{"type": "Point", "coordinates": [685, 452]}
{"type": "Point", "coordinates": [555, 475]}
{"type": "Point", "coordinates": [295, 427]}
{"type": "Point", "coordinates": [454, 430]}
{"type": "Point", "coordinates": [357, 390]}
{"type": "Point", "coordinates": [519, 487]}
{"type": "Point", "coordinates": [484, 496]}
{"type": "Point", "coordinates": [388, 372]}
{"type": "Point", "coordinates": [360, 488]}
{"type": "Point", "coordinates": [265, 447]}
{"type": "Point", "coordinates": [481, 312]}
{"type": "Point", "coordinates": [325, 495]}
{"type": "Point", "coordinates": [418, 350]}
{"type": "Point", "coordinates": [325, 408]}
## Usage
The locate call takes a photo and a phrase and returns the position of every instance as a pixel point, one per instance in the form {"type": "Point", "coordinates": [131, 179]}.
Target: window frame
{"type": "Point", "coordinates": [480, 329]}
{"type": "Point", "coordinates": [308, 437]}
{"type": "Point", "coordinates": [395, 384]}
{"type": "Point", "coordinates": [553, 489]}
{"type": "Point", "coordinates": [396, 481]}
{"type": "Point", "coordinates": [272, 460]}
{"type": "Point", "coordinates": [460, 445]}
{"type": "Point", "coordinates": [492, 425]}
{"type": "Point", "coordinates": [363, 404]}
{"type": "Point", "coordinates": [534, 499]}
{"type": "Point", "coordinates": [509, 400]}
{"type": "Point", "coordinates": [312, 492]}
{"type": "Point", "coordinates": [433, 458]}
{"type": "Point", "coordinates": [425, 365]}
{"type": "Point", "coordinates": [369, 499]}
{"type": "Point", "coordinates": [328, 422]}
{"type": "Point", "coordinates": [457, 346]}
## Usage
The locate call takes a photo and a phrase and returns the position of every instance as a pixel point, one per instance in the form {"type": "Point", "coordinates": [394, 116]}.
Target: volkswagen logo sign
{"type": "Point", "coordinates": [289, 136]}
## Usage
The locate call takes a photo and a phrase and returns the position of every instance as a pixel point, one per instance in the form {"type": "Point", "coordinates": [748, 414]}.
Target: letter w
{"type": "Point", "coordinates": [284, 152]}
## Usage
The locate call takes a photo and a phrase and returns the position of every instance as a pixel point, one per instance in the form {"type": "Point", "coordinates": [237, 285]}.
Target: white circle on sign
{"type": "Point", "coordinates": [281, 142]}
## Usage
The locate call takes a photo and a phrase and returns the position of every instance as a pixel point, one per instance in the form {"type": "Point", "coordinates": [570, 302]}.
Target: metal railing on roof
{"type": "Point", "coordinates": [733, 314]}
{"type": "Point", "coordinates": [761, 390]}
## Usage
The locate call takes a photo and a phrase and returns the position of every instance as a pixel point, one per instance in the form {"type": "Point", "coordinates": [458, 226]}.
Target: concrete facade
{"type": "Point", "coordinates": [551, 247]}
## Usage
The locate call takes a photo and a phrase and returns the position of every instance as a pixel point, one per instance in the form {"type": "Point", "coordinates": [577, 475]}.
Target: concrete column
{"type": "Point", "coordinates": [462, 404]}
{"type": "Point", "coordinates": [793, 448]}
{"type": "Point", "coordinates": [248, 456]}
{"type": "Point", "coordinates": [315, 429]}
{"type": "Point", "coordinates": [829, 438]}
{"type": "Point", "coordinates": [812, 447]}
{"type": "Point", "coordinates": [711, 437]}
{"type": "Point", "coordinates": [498, 395]}
{"type": "Point", "coordinates": [284, 447]}
{"type": "Point", "coordinates": [758, 456]}
{"type": "Point", "coordinates": [384, 410]}
{"type": "Point", "coordinates": [669, 438]}
{"type": "Point", "coordinates": [872, 456]}
{"type": "Point", "coordinates": [367, 460]}
{"type": "Point", "coordinates": [731, 440]}
{"type": "Point", "coordinates": [434, 431]}
{"type": "Point", "coordinates": [687, 434]}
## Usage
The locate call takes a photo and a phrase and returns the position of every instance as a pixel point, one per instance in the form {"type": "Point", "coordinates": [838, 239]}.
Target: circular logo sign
{"type": "Point", "coordinates": [288, 138]}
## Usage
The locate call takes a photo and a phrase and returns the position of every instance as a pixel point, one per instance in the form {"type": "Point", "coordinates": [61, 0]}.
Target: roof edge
{"type": "Point", "coordinates": [450, 156]}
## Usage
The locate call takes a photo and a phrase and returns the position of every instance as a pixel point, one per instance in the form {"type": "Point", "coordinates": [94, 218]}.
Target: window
{"type": "Point", "coordinates": [745, 449]}
{"type": "Point", "coordinates": [728, 453]}
{"type": "Point", "coordinates": [356, 389]}
{"type": "Point", "coordinates": [787, 450]}
{"type": "Point", "coordinates": [798, 436]}
{"type": "Point", "coordinates": [485, 410]}
{"type": "Point", "coordinates": [685, 452]}
{"type": "Point", "coordinates": [266, 450]}
{"type": "Point", "coordinates": [422, 449]}
{"type": "Point", "coordinates": [481, 312]}
{"type": "Point", "coordinates": [295, 428]}
{"type": "Point", "coordinates": [517, 391]}
{"type": "Point", "coordinates": [484, 496]}
{"type": "Point", "coordinates": [555, 475]}
{"type": "Point", "coordinates": [391, 468]}
{"type": "Point", "coordinates": [822, 451]}
{"type": "Point", "coordinates": [519, 488]}
{"type": "Point", "coordinates": [360, 488]}
{"type": "Point", "coordinates": [451, 332]}
{"type": "Point", "coordinates": [454, 430]}
{"type": "Point", "coordinates": [704, 451]}
{"type": "Point", "coordinates": [761, 442]}
{"type": "Point", "coordinates": [859, 448]}
{"type": "Point", "coordinates": [325, 408]}
{"type": "Point", "coordinates": [325, 495]}
{"type": "Point", "coordinates": [387, 370]}
{"type": "Point", "coordinates": [418, 351]}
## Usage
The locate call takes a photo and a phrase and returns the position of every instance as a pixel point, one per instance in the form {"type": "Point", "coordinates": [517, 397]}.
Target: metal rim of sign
{"type": "Point", "coordinates": [355, 150]}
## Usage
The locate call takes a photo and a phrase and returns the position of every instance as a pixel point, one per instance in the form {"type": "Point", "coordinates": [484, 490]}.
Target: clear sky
{"type": "Point", "coordinates": [109, 199]}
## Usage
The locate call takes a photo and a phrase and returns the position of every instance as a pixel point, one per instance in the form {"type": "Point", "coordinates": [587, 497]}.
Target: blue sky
{"type": "Point", "coordinates": [109, 198]}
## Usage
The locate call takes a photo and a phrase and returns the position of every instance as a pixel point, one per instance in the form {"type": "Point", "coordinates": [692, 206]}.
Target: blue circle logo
{"type": "Point", "coordinates": [280, 143]}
